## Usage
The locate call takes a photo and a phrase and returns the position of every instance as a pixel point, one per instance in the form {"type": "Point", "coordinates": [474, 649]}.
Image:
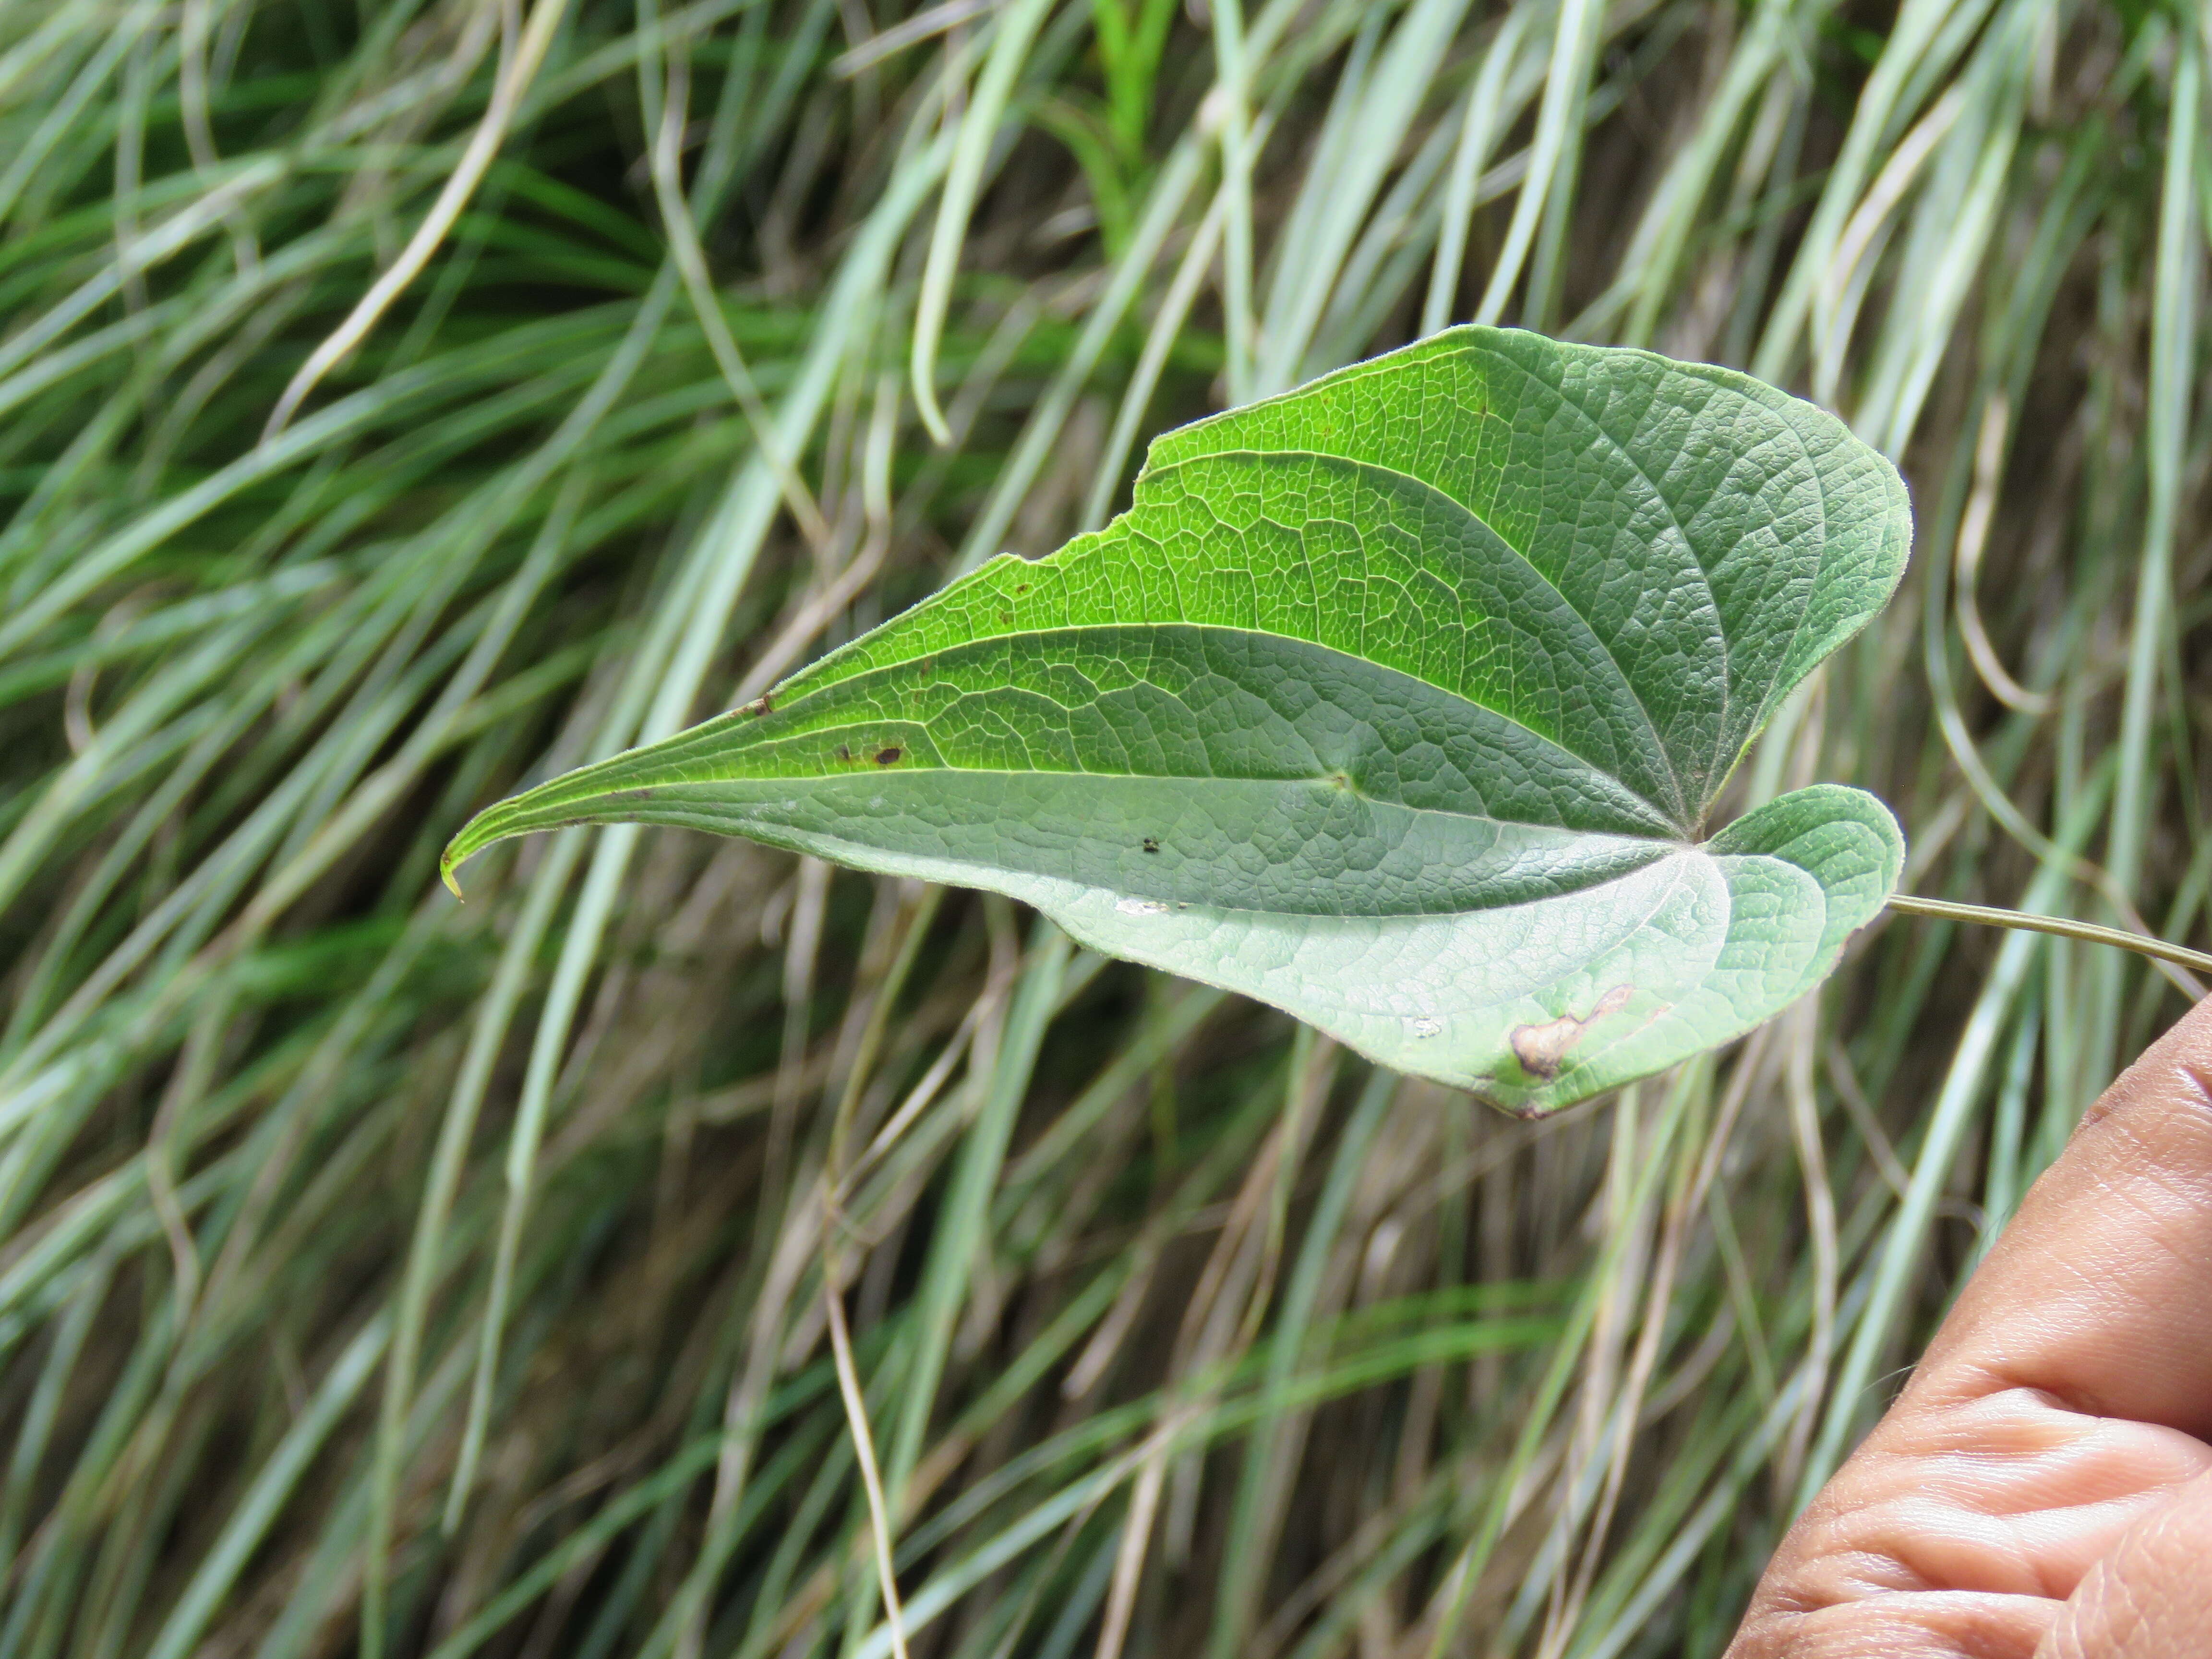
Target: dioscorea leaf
{"type": "Point", "coordinates": [1398, 702]}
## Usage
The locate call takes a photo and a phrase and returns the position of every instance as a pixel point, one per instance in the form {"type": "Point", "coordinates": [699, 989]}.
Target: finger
{"type": "Point", "coordinates": [2151, 1598]}
{"type": "Point", "coordinates": [1959, 1530]}
{"type": "Point", "coordinates": [2099, 1293]}
{"type": "Point", "coordinates": [2061, 1402]}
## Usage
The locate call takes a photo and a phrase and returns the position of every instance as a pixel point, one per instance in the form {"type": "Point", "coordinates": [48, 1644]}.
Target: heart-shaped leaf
{"type": "Point", "coordinates": [1398, 702]}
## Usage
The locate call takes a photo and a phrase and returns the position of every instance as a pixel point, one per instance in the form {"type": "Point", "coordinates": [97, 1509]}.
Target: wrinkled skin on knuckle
{"type": "Point", "coordinates": [1907, 1625]}
{"type": "Point", "coordinates": [1960, 1528]}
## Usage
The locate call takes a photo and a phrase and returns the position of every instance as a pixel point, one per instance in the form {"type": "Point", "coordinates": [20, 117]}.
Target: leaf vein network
{"type": "Point", "coordinates": [1704, 578]}
{"type": "Point", "coordinates": [1681, 811]}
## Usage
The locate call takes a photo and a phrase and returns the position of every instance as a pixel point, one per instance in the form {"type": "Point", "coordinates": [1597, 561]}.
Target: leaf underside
{"type": "Point", "coordinates": [1398, 702]}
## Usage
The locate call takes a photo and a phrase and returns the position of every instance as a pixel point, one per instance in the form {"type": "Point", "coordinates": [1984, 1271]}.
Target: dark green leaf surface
{"type": "Point", "coordinates": [1398, 702]}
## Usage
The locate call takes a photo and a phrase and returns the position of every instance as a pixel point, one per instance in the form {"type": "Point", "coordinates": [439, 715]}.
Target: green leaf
{"type": "Point", "coordinates": [1398, 702]}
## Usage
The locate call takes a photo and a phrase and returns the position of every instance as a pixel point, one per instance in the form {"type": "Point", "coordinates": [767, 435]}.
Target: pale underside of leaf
{"type": "Point", "coordinates": [1398, 702]}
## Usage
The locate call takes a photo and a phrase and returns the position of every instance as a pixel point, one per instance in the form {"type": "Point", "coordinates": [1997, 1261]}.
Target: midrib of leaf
{"type": "Point", "coordinates": [789, 714]}
{"type": "Point", "coordinates": [724, 758]}
{"type": "Point", "coordinates": [988, 604]}
{"type": "Point", "coordinates": [730, 775]}
{"type": "Point", "coordinates": [793, 707]}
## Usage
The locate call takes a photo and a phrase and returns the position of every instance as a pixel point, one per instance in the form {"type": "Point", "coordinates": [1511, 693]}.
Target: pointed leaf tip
{"type": "Point", "coordinates": [465, 845]}
{"type": "Point", "coordinates": [449, 861]}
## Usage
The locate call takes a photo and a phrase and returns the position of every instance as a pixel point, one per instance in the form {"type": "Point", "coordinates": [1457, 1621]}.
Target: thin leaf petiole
{"type": "Point", "coordinates": [2064, 926]}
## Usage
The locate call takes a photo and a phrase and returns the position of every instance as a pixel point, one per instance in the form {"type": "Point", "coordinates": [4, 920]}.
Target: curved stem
{"type": "Point", "coordinates": [2064, 926]}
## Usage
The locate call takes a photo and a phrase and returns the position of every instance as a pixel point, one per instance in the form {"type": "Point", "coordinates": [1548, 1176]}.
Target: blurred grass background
{"type": "Point", "coordinates": [408, 398]}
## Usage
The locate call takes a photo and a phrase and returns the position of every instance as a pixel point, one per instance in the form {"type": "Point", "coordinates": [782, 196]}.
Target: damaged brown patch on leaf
{"type": "Point", "coordinates": [1542, 1049]}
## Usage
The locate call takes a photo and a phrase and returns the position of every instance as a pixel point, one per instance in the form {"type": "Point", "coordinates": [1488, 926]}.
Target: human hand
{"type": "Point", "coordinates": [2043, 1487]}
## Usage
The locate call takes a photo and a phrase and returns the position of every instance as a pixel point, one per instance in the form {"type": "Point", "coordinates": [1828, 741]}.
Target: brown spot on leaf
{"type": "Point", "coordinates": [844, 753]}
{"type": "Point", "coordinates": [1542, 1049]}
{"type": "Point", "coordinates": [888, 756]}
